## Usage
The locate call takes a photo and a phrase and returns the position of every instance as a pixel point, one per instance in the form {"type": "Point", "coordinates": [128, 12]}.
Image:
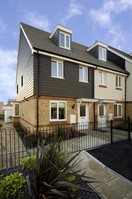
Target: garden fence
{"type": "Point", "coordinates": [17, 143]}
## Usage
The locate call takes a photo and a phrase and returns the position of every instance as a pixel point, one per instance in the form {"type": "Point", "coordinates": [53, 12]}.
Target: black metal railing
{"type": "Point", "coordinates": [17, 143]}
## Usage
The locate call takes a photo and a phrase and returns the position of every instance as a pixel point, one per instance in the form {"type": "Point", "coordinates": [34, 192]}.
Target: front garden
{"type": "Point", "coordinates": [49, 134]}
{"type": "Point", "coordinates": [50, 174]}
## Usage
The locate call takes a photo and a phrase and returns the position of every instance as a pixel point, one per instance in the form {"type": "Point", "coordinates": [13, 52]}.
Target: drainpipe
{"type": "Point", "coordinates": [94, 102]}
{"type": "Point", "coordinates": [37, 106]}
{"type": "Point", "coordinates": [125, 97]}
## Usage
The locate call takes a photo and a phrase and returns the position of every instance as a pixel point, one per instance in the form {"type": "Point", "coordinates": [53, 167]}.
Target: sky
{"type": "Point", "coordinates": [109, 21]}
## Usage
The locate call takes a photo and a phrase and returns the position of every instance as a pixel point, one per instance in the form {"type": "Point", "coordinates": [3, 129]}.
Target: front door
{"type": "Point", "coordinates": [83, 115]}
{"type": "Point", "coordinates": [101, 115]}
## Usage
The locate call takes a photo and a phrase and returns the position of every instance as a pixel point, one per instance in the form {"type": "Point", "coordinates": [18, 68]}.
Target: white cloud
{"type": "Point", "coordinates": [7, 73]}
{"type": "Point", "coordinates": [74, 9]}
{"type": "Point", "coordinates": [2, 25]}
{"type": "Point", "coordinates": [104, 16]}
{"type": "Point", "coordinates": [37, 20]}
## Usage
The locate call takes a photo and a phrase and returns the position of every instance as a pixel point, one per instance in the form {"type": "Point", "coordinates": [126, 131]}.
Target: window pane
{"type": "Point", "coordinates": [80, 74]}
{"type": "Point", "coordinates": [101, 110]}
{"type": "Point", "coordinates": [100, 78]}
{"type": "Point", "coordinates": [116, 81]}
{"type": "Point", "coordinates": [53, 110]}
{"type": "Point", "coordinates": [67, 42]}
{"type": "Point", "coordinates": [102, 54]}
{"type": "Point", "coordinates": [115, 110]}
{"type": "Point", "coordinates": [61, 110]}
{"type": "Point", "coordinates": [82, 111]}
{"type": "Point", "coordinates": [53, 69]}
{"type": "Point", "coordinates": [119, 110]}
{"type": "Point", "coordinates": [16, 109]}
{"type": "Point", "coordinates": [61, 39]}
{"type": "Point", "coordinates": [85, 74]}
{"type": "Point", "coordinates": [119, 81]}
{"type": "Point", "coordinates": [105, 78]}
{"type": "Point", "coordinates": [60, 70]}
{"type": "Point", "coordinates": [22, 80]}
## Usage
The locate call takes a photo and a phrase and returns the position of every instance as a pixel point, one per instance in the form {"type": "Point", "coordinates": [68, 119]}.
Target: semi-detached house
{"type": "Point", "coordinates": [61, 81]}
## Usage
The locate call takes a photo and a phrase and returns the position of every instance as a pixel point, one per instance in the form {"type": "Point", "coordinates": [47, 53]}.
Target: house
{"type": "Point", "coordinates": [1, 107]}
{"type": "Point", "coordinates": [61, 81]}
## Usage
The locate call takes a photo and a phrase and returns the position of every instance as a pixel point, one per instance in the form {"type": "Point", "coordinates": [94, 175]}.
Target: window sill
{"type": "Point", "coordinates": [120, 89]}
{"type": "Point", "coordinates": [103, 86]}
{"type": "Point", "coordinates": [15, 115]}
{"type": "Point", "coordinates": [118, 117]}
{"type": "Point", "coordinates": [58, 121]}
{"type": "Point", "coordinates": [58, 77]}
{"type": "Point", "coordinates": [83, 82]}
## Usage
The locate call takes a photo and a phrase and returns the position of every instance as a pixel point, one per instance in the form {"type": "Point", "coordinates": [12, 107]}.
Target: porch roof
{"type": "Point", "coordinates": [86, 100]}
{"type": "Point", "coordinates": [110, 101]}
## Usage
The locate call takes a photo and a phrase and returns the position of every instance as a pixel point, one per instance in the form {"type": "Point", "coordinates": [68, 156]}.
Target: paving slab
{"type": "Point", "coordinates": [109, 184]}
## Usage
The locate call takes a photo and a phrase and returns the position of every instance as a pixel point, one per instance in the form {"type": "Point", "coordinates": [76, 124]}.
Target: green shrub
{"type": "Point", "coordinates": [1, 124]}
{"type": "Point", "coordinates": [12, 186]}
{"type": "Point", "coordinates": [29, 163]}
{"type": "Point", "coordinates": [54, 175]}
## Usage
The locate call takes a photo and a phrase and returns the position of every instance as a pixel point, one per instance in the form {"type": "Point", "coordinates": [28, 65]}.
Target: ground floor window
{"type": "Point", "coordinates": [57, 110]}
{"type": "Point", "coordinates": [16, 109]}
{"type": "Point", "coordinates": [118, 110]}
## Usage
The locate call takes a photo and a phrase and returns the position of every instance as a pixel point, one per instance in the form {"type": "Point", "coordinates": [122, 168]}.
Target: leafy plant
{"type": "Point", "coordinates": [62, 132]}
{"type": "Point", "coordinates": [12, 186]}
{"type": "Point", "coordinates": [55, 177]}
{"type": "Point", "coordinates": [1, 125]}
{"type": "Point", "coordinates": [29, 163]}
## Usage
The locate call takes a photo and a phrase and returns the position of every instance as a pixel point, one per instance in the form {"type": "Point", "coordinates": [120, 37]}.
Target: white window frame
{"type": "Point", "coordinates": [102, 78]}
{"type": "Point", "coordinates": [117, 113]}
{"type": "Point", "coordinates": [83, 74]}
{"type": "Point", "coordinates": [15, 110]}
{"type": "Point", "coordinates": [102, 54]}
{"type": "Point", "coordinates": [57, 102]}
{"type": "Point", "coordinates": [118, 81]}
{"type": "Point", "coordinates": [65, 35]}
{"type": "Point", "coordinates": [57, 72]}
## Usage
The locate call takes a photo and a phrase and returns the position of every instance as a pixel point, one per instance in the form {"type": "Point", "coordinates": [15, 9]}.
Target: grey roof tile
{"type": "Point", "coordinates": [40, 39]}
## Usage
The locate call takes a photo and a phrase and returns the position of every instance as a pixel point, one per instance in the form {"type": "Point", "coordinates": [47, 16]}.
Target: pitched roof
{"type": "Point", "coordinates": [121, 52]}
{"type": "Point", "coordinates": [39, 39]}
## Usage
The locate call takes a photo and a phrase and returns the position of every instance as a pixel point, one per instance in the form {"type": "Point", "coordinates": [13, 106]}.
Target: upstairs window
{"type": "Point", "coordinates": [118, 110]}
{"type": "Point", "coordinates": [22, 80]}
{"type": "Point", "coordinates": [118, 82]}
{"type": "Point", "coordinates": [16, 109]}
{"type": "Point", "coordinates": [57, 69]}
{"type": "Point", "coordinates": [83, 74]}
{"type": "Point", "coordinates": [102, 54]}
{"type": "Point", "coordinates": [17, 88]}
{"type": "Point", "coordinates": [102, 78]}
{"type": "Point", "coordinates": [64, 40]}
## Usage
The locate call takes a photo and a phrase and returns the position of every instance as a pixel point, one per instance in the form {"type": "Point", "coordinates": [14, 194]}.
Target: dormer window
{"type": "Point", "coordinates": [64, 40]}
{"type": "Point", "coordinates": [102, 54]}
{"type": "Point", "coordinates": [62, 36]}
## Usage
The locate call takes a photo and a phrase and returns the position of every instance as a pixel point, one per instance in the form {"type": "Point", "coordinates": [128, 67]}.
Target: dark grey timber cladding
{"type": "Point", "coordinates": [116, 59]}
{"type": "Point", "coordinates": [67, 87]}
{"type": "Point", "coordinates": [55, 38]}
{"type": "Point", "coordinates": [94, 52]}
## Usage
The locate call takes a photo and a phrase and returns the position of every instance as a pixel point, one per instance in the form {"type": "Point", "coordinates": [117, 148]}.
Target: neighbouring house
{"type": "Point", "coordinates": [1, 107]}
{"type": "Point", "coordinates": [61, 81]}
{"type": "Point", "coordinates": [8, 110]}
